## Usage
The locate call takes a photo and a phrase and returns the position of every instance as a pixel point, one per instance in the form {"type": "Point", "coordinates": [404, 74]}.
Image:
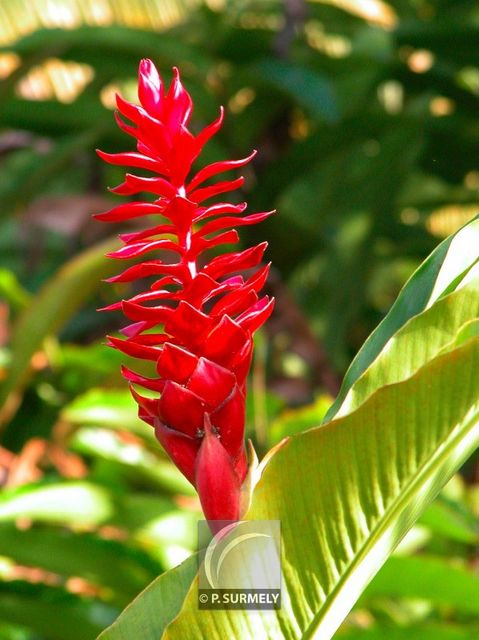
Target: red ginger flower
{"type": "Point", "coordinates": [207, 314]}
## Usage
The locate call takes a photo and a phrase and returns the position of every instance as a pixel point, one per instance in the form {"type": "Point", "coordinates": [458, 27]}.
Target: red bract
{"type": "Point", "coordinates": [194, 322]}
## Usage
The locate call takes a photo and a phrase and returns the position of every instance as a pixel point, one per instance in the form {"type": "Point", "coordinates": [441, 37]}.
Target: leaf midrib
{"type": "Point", "coordinates": [390, 515]}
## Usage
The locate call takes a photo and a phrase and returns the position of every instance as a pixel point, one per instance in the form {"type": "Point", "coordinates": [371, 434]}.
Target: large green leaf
{"type": "Point", "coordinates": [345, 494]}
{"type": "Point", "coordinates": [419, 340]}
{"type": "Point", "coordinates": [48, 312]}
{"type": "Point", "coordinates": [438, 275]}
{"type": "Point", "coordinates": [148, 615]}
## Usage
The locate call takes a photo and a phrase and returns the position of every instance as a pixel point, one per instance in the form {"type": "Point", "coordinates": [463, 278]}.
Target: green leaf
{"type": "Point", "coordinates": [114, 47]}
{"type": "Point", "coordinates": [57, 119]}
{"type": "Point", "coordinates": [345, 494]}
{"type": "Point", "coordinates": [148, 615]}
{"type": "Point", "coordinates": [133, 456]}
{"type": "Point", "coordinates": [113, 408]}
{"type": "Point", "coordinates": [52, 612]}
{"type": "Point", "coordinates": [309, 88]}
{"type": "Point", "coordinates": [103, 562]}
{"type": "Point", "coordinates": [48, 312]}
{"type": "Point", "coordinates": [81, 368]}
{"type": "Point", "coordinates": [14, 632]}
{"type": "Point", "coordinates": [171, 538]}
{"type": "Point", "coordinates": [136, 510]}
{"type": "Point", "coordinates": [105, 409]}
{"type": "Point", "coordinates": [419, 632]}
{"type": "Point", "coordinates": [467, 331]}
{"type": "Point", "coordinates": [420, 339]}
{"type": "Point", "coordinates": [438, 275]}
{"type": "Point", "coordinates": [29, 173]}
{"type": "Point", "coordinates": [426, 578]}
{"type": "Point", "coordinates": [355, 486]}
{"type": "Point", "coordinates": [293, 421]}
{"type": "Point", "coordinates": [448, 519]}
{"type": "Point", "coordinates": [12, 291]}
{"type": "Point", "coordinates": [442, 38]}
{"type": "Point", "coordinates": [158, 526]}
{"type": "Point", "coordinates": [71, 503]}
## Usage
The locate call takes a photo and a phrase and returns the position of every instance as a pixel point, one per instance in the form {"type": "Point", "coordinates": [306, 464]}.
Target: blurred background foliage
{"type": "Point", "coordinates": [366, 118]}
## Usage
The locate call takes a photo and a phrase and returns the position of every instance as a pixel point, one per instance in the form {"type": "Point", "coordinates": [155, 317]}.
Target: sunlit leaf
{"type": "Point", "coordinates": [52, 307]}
{"type": "Point", "coordinates": [133, 456]}
{"type": "Point", "coordinates": [80, 503]}
{"type": "Point", "coordinates": [437, 276]}
{"type": "Point", "coordinates": [356, 485]}
{"type": "Point", "coordinates": [420, 339]}
{"type": "Point", "coordinates": [12, 291]}
{"type": "Point", "coordinates": [106, 408]}
{"type": "Point", "coordinates": [293, 421]}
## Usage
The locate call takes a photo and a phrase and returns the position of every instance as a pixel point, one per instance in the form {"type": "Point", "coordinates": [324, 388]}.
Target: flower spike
{"type": "Point", "coordinates": [196, 323]}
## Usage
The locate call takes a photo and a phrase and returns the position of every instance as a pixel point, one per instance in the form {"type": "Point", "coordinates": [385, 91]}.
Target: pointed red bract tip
{"type": "Point", "coordinates": [216, 481]}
